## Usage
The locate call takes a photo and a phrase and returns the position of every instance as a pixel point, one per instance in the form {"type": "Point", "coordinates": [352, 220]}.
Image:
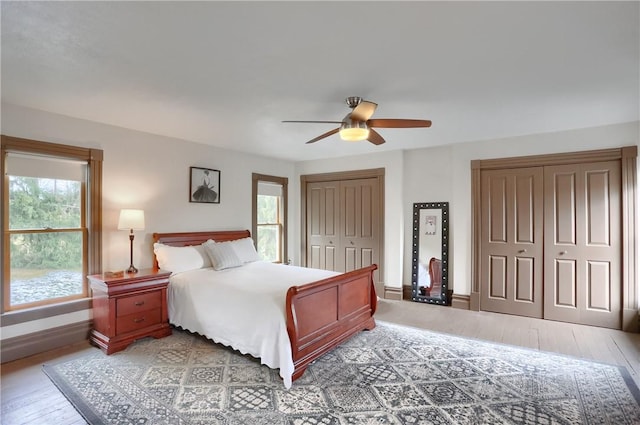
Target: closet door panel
{"type": "Point", "coordinates": [351, 258]}
{"type": "Point", "coordinates": [597, 209]}
{"type": "Point", "coordinates": [563, 196]}
{"type": "Point", "coordinates": [366, 257]}
{"type": "Point", "coordinates": [524, 209]}
{"type": "Point", "coordinates": [323, 224]}
{"type": "Point", "coordinates": [313, 254]}
{"type": "Point", "coordinates": [360, 215]}
{"type": "Point", "coordinates": [351, 213]}
{"type": "Point", "coordinates": [497, 200]}
{"type": "Point", "coordinates": [565, 285]}
{"type": "Point", "coordinates": [582, 241]}
{"type": "Point", "coordinates": [499, 278]}
{"type": "Point", "coordinates": [599, 286]}
{"type": "Point", "coordinates": [511, 244]}
{"type": "Point", "coordinates": [525, 271]}
{"type": "Point", "coordinates": [330, 258]}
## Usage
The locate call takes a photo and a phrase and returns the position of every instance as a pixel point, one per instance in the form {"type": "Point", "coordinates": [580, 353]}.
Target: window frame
{"type": "Point", "coordinates": [92, 235]}
{"type": "Point", "coordinates": [282, 181]}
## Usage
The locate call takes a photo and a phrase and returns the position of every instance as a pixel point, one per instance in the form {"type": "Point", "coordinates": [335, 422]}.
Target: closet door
{"type": "Point", "coordinates": [511, 268]}
{"type": "Point", "coordinates": [323, 226]}
{"type": "Point", "coordinates": [582, 244]}
{"type": "Point", "coordinates": [359, 215]}
{"type": "Point", "coordinates": [343, 224]}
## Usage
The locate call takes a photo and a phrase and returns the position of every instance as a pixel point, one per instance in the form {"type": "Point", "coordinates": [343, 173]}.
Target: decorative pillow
{"type": "Point", "coordinates": [222, 255]}
{"type": "Point", "coordinates": [178, 259]}
{"type": "Point", "coordinates": [245, 249]}
{"type": "Point", "coordinates": [206, 261]}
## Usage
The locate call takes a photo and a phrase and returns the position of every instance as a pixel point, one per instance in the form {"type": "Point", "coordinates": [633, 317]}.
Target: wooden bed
{"type": "Point", "coordinates": [319, 315]}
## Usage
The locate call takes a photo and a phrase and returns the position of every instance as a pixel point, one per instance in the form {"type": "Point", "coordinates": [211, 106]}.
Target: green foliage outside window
{"type": "Point", "coordinates": [38, 204]}
{"type": "Point", "coordinates": [268, 243]}
{"type": "Point", "coordinates": [267, 209]}
{"type": "Point", "coordinates": [268, 240]}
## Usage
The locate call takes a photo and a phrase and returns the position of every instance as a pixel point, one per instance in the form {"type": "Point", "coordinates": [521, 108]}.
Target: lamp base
{"type": "Point", "coordinates": [132, 269]}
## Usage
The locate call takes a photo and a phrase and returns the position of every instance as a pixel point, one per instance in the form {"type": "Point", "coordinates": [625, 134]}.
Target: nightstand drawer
{"type": "Point", "coordinates": [139, 320]}
{"type": "Point", "coordinates": [138, 303]}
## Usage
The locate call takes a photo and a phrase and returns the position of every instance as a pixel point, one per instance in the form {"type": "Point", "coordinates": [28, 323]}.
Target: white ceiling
{"type": "Point", "coordinates": [228, 73]}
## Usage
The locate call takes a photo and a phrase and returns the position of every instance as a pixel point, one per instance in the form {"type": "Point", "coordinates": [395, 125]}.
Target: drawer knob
{"type": "Point", "coordinates": [140, 320]}
{"type": "Point", "coordinates": [139, 303]}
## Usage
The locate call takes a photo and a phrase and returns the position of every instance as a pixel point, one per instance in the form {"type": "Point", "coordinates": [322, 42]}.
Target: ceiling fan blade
{"type": "Point", "coordinates": [375, 137]}
{"type": "Point", "coordinates": [363, 111]}
{"type": "Point", "coordinates": [313, 122]}
{"type": "Point", "coordinates": [397, 123]}
{"type": "Point", "coordinates": [322, 136]}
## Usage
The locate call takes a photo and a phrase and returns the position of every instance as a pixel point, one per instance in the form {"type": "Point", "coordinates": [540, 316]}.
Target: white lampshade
{"type": "Point", "coordinates": [131, 219]}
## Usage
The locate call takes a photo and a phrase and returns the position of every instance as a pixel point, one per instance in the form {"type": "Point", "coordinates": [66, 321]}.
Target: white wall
{"type": "Point", "coordinates": [149, 172]}
{"type": "Point", "coordinates": [444, 174]}
{"type": "Point", "coordinates": [152, 172]}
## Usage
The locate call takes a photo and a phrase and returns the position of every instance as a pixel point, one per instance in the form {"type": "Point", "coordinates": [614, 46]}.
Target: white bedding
{"type": "Point", "coordinates": [241, 307]}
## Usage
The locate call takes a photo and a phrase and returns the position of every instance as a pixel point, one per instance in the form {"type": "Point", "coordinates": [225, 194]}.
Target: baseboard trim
{"type": "Point", "coordinates": [474, 301]}
{"type": "Point", "coordinates": [462, 302]}
{"type": "Point", "coordinates": [630, 320]}
{"type": "Point", "coordinates": [45, 340]}
{"type": "Point", "coordinates": [406, 292]}
{"type": "Point", "coordinates": [392, 293]}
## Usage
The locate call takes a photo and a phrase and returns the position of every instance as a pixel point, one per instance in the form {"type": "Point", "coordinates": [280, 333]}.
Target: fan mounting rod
{"type": "Point", "coordinates": [353, 101]}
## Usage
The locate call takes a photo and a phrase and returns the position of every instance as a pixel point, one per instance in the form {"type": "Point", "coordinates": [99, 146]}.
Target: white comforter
{"type": "Point", "coordinates": [242, 307]}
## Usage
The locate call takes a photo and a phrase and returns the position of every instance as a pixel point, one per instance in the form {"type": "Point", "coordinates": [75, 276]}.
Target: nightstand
{"type": "Point", "coordinates": [128, 308]}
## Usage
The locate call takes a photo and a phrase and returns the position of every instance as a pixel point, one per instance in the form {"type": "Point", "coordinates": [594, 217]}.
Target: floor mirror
{"type": "Point", "coordinates": [430, 248]}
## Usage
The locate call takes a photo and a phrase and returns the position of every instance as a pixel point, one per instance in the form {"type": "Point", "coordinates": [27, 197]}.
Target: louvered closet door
{"type": "Point", "coordinates": [582, 244]}
{"type": "Point", "coordinates": [511, 246]}
{"type": "Point", "coordinates": [359, 217]}
{"type": "Point", "coordinates": [323, 226]}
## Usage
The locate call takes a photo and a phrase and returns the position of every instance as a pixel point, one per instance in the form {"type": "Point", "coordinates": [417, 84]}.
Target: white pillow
{"type": "Point", "coordinates": [222, 255]}
{"type": "Point", "coordinates": [178, 259]}
{"type": "Point", "coordinates": [245, 249]}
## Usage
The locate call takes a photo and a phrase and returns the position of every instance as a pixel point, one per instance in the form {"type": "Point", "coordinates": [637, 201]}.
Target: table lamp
{"type": "Point", "coordinates": [132, 220]}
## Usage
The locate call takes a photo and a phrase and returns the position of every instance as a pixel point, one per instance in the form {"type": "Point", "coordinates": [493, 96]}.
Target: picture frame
{"type": "Point", "coordinates": [430, 224]}
{"type": "Point", "coordinates": [204, 185]}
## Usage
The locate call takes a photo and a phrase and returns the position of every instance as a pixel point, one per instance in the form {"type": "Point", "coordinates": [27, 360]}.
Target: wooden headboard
{"type": "Point", "coordinates": [196, 238]}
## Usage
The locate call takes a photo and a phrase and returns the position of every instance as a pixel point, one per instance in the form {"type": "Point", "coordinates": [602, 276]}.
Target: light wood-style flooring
{"type": "Point", "coordinates": [29, 397]}
{"type": "Point", "coordinates": [587, 342]}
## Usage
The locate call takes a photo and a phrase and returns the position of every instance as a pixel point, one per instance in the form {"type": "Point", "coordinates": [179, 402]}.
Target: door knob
{"type": "Point", "coordinates": [351, 242]}
{"type": "Point", "coordinates": [563, 252]}
{"type": "Point", "coordinates": [522, 251]}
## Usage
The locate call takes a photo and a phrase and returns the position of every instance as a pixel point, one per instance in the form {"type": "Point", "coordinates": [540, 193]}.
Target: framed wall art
{"type": "Point", "coordinates": [204, 185]}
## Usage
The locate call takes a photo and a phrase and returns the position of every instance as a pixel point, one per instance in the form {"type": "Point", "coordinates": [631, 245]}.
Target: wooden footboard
{"type": "Point", "coordinates": [322, 314]}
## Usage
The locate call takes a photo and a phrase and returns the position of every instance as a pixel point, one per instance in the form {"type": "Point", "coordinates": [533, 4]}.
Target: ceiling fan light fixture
{"type": "Point", "coordinates": [354, 131]}
{"type": "Point", "coordinates": [357, 125]}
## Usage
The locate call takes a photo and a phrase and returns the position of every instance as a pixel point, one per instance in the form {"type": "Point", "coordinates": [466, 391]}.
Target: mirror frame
{"type": "Point", "coordinates": [418, 229]}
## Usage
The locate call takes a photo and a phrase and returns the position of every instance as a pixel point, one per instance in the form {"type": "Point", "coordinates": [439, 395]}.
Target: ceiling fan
{"type": "Point", "coordinates": [357, 125]}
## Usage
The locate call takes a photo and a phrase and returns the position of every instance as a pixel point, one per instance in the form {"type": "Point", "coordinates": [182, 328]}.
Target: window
{"type": "Point", "coordinates": [52, 219]}
{"type": "Point", "coordinates": [270, 217]}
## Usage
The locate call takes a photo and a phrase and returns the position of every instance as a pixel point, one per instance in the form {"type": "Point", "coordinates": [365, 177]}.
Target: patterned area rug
{"type": "Point", "coordinates": [391, 375]}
